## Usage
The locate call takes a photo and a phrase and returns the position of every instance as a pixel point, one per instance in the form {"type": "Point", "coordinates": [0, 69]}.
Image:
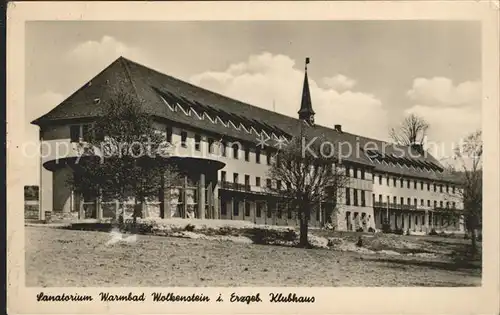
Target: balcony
{"type": "Point", "coordinates": [234, 186]}
{"type": "Point", "coordinates": [391, 205]}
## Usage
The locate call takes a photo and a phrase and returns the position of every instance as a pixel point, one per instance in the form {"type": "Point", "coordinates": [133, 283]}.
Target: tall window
{"type": "Point", "coordinates": [348, 171]}
{"type": "Point", "coordinates": [428, 186]}
{"type": "Point", "coordinates": [257, 181]}
{"type": "Point", "coordinates": [440, 188]}
{"type": "Point", "coordinates": [387, 181]}
{"type": "Point", "coordinates": [453, 189]}
{"type": "Point", "coordinates": [258, 209]}
{"type": "Point", "coordinates": [435, 204]}
{"type": "Point", "coordinates": [362, 174]}
{"type": "Point", "coordinates": [210, 145]}
{"type": "Point", "coordinates": [269, 211]}
{"type": "Point", "coordinates": [269, 183]}
{"type": "Point", "coordinates": [428, 203]}
{"type": "Point", "coordinates": [247, 154]}
{"type": "Point", "coordinates": [236, 208]}
{"type": "Point", "coordinates": [257, 156]}
{"type": "Point", "coordinates": [80, 132]}
{"type": "Point", "coordinates": [268, 158]}
{"type": "Point", "coordinates": [394, 182]}
{"type": "Point", "coordinates": [235, 178]}
{"type": "Point", "coordinates": [223, 211]}
{"type": "Point", "coordinates": [347, 196]}
{"type": "Point", "coordinates": [434, 187]}
{"type": "Point", "coordinates": [408, 201]}
{"type": "Point", "coordinates": [408, 184]}
{"type": "Point", "coordinates": [169, 134]}
{"type": "Point", "coordinates": [414, 184]}
{"type": "Point", "coordinates": [380, 180]}
{"type": "Point", "coordinates": [401, 182]}
{"type": "Point", "coordinates": [363, 201]}
{"type": "Point", "coordinates": [197, 142]}
{"type": "Point", "coordinates": [223, 176]}
{"type": "Point", "coordinates": [415, 201]}
{"type": "Point", "coordinates": [247, 181]}
{"type": "Point", "coordinates": [422, 185]}
{"type": "Point", "coordinates": [447, 189]}
{"type": "Point", "coordinates": [402, 200]}
{"type": "Point", "coordinates": [379, 198]}
{"type": "Point", "coordinates": [354, 173]}
{"type": "Point", "coordinates": [453, 204]}
{"type": "Point", "coordinates": [235, 151]}
{"type": "Point", "coordinates": [74, 133]}
{"type": "Point", "coordinates": [394, 200]}
{"type": "Point", "coordinates": [441, 204]}
{"type": "Point", "coordinates": [247, 208]}
{"type": "Point", "coordinates": [422, 202]}
{"type": "Point", "coordinates": [278, 184]}
{"type": "Point", "coordinates": [184, 136]}
{"type": "Point", "coordinates": [355, 196]}
{"type": "Point", "coordinates": [223, 147]}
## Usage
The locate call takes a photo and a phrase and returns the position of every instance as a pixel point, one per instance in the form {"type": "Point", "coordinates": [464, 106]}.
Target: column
{"type": "Point", "coordinates": [201, 196]}
{"type": "Point", "coordinates": [79, 206]}
{"type": "Point", "coordinates": [98, 208]}
{"type": "Point", "coordinates": [217, 204]}
{"type": "Point", "coordinates": [210, 199]}
{"type": "Point", "coordinates": [184, 197]}
{"type": "Point", "coordinates": [265, 208]}
{"type": "Point", "coordinates": [426, 219]}
{"type": "Point", "coordinates": [231, 208]}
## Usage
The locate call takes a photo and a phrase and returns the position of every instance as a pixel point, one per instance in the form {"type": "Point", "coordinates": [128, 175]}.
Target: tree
{"type": "Point", "coordinates": [124, 157]}
{"type": "Point", "coordinates": [411, 132]}
{"type": "Point", "coordinates": [469, 172]}
{"type": "Point", "coordinates": [310, 176]}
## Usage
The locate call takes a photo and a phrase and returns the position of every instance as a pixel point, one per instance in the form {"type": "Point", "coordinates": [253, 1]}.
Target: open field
{"type": "Point", "coordinates": [57, 257]}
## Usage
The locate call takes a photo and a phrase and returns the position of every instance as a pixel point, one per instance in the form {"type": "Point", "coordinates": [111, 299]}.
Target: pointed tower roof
{"type": "Point", "coordinates": [306, 111]}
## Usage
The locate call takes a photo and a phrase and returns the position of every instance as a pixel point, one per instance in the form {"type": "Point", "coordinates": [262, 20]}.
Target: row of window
{"type": "Point", "coordinates": [355, 172]}
{"type": "Point", "coordinates": [259, 208]}
{"type": "Point", "coordinates": [414, 183]}
{"type": "Point", "coordinates": [223, 178]}
{"type": "Point", "coordinates": [222, 147]}
{"type": "Point", "coordinates": [356, 200]}
{"type": "Point", "coordinates": [415, 202]}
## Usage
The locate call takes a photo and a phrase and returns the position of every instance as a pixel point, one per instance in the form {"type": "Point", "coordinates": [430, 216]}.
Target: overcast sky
{"type": "Point", "coordinates": [364, 75]}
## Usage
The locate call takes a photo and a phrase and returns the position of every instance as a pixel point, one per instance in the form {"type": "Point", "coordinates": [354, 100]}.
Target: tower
{"type": "Point", "coordinates": [306, 113]}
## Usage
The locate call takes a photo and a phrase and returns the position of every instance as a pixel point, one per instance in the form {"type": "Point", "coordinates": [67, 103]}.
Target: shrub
{"type": "Point", "coordinates": [359, 243]}
{"type": "Point", "coordinates": [433, 232]}
{"type": "Point", "coordinates": [386, 226]}
{"type": "Point", "coordinates": [360, 229]}
{"type": "Point", "coordinates": [371, 230]}
{"type": "Point", "coordinates": [189, 227]}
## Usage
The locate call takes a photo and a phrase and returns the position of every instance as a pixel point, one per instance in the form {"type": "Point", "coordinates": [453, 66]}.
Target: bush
{"type": "Point", "coordinates": [433, 232]}
{"type": "Point", "coordinates": [360, 229]}
{"type": "Point", "coordinates": [386, 226]}
{"type": "Point", "coordinates": [371, 230]}
{"type": "Point", "coordinates": [189, 228]}
{"type": "Point", "coordinates": [359, 243]}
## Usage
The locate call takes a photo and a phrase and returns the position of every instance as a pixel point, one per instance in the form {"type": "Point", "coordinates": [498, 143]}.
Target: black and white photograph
{"type": "Point", "coordinates": [252, 153]}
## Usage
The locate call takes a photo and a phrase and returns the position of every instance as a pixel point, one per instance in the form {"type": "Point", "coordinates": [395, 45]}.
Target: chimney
{"type": "Point", "coordinates": [338, 128]}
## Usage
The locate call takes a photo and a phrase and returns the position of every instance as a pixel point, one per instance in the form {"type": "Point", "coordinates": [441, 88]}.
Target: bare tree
{"type": "Point", "coordinates": [412, 131]}
{"type": "Point", "coordinates": [470, 174]}
{"type": "Point", "coordinates": [124, 156]}
{"type": "Point", "coordinates": [310, 177]}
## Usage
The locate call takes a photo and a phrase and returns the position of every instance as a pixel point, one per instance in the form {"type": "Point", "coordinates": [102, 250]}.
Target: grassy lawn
{"type": "Point", "coordinates": [57, 257]}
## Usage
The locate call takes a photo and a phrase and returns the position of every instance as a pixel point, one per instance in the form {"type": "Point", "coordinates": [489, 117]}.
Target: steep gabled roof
{"type": "Point", "coordinates": [159, 92]}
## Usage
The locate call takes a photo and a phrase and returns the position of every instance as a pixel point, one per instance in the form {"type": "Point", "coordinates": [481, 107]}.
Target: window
{"type": "Point", "coordinates": [435, 204]}
{"type": "Point", "coordinates": [210, 142]}
{"type": "Point", "coordinates": [453, 189]}
{"type": "Point", "coordinates": [387, 180]}
{"type": "Point", "coordinates": [247, 154]}
{"type": "Point", "coordinates": [268, 158]}
{"type": "Point", "coordinates": [74, 133]}
{"type": "Point", "coordinates": [416, 220]}
{"type": "Point", "coordinates": [440, 188]}
{"type": "Point", "coordinates": [434, 187]}
{"type": "Point", "coordinates": [428, 203]}
{"type": "Point", "coordinates": [415, 184]}
{"type": "Point", "coordinates": [223, 211]}
{"type": "Point", "coordinates": [447, 188]}
{"type": "Point", "coordinates": [379, 198]}
{"type": "Point", "coordinates": [269, 211]}
{"type": "Point", "coordinates": [347, 196]}
{"type": "Point", "coordinates": [402, 200]}
{"type": "Point", "coordinates": [447, 205]}
{"type": "Point", "coordinates": [373, 178]}
{"type": "Point", "coordinates": [169, 134]}
{"type": "Point", "coordinates": [362, 174]}
{"type": "Point", "coordinates": [236, 208]}
{"type": "Point", "coordinates": [355, 196]}
{"type": "Point", "coordinates": [197, 142]}
{"type": "Point", "coordinates": [223, 147]}
{"type": "Point", "coordinates": [223, 176]}
{"type": "Point", "coordinates": [422, 185]}
{"type": "Point", "coordinates": [415, 201]}
{"type": "Point", "coordinates": [235, 151]}
{"type": "Point", "coordinates": [278, 184]}
{"type": "Point", "coordinates": [257, 156]}
{"type": "Point", "coordinates": [373, 198]}
{"type": "Point", "coordinates": [401, 181]}
{"type": "Point", "coordinates": [258, 212]}
{"type": "Point", "coordinates": [394, 182]}
{"type": "Point", "coordinates": [247, 181]}
{"type": "Point", "coordinates": [257, 181]}
{"type": "Point", "coordinates": [428, 186]}
{"type": "Point", "coordinates": [408, 184]}
{"type": "Point", "coordinates": [395, 200]}
{"type": "Point", "coordinates": [86, 132]}
{"type": "Point", "coordinates": [247, 208]}
{"type": "Point", "coordinates": [184, 136]}
{"type": "Point", "coordinates": [422, 202]}
{"type": "Point", "coordinates": [278, 212]}
{"type": "Point", "coordinates": [453, 205]}
{"type": "Point", "coordinates": [441, 204]}
{"type": "Point", "coordinates": [348, 171]}
{"type": "Point", "coordinates": [363, 201]}
{"type": "Point", "coordinates": [408, 201]}
{"type": "Point", "coordinates": [354, 173]}
{"type": "Point", "coordinates": [268, 183]}
{"type": "Point", "coordinates": [235, 178]}
{"type": "Point", "coordinates": [380, 180]}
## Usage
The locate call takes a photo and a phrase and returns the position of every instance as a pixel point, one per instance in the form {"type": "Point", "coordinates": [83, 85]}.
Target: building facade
{"type": "Point", "coordinates": [225, 169]}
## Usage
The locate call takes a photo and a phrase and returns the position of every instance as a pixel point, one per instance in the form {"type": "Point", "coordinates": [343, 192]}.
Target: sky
{"type": "Point", "coordinates": [365, 75]}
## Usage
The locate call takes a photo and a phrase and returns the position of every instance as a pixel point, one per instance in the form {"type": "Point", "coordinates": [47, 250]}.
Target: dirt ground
{"type": "Point", "coordinates": [57, 257]}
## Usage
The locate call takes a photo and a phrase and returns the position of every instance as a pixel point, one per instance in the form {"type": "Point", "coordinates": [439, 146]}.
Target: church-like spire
{"type": "Point", "coordinates": [306, 113]}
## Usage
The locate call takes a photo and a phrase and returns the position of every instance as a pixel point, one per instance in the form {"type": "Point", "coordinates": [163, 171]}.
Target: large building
{"type": "Point", "coordinates": [404, 184]}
